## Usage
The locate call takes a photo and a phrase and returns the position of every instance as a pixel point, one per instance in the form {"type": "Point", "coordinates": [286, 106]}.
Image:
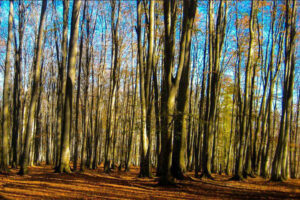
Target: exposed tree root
{"type": "Point", "coordinates": [206, 175]}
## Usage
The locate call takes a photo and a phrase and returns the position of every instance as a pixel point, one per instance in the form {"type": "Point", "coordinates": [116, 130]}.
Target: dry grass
{"type": "Point", "coordinates": [42, 183]}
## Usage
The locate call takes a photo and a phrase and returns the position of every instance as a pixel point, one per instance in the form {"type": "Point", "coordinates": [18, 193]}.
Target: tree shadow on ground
{"type": "Point", "coordinates": [43, 183]}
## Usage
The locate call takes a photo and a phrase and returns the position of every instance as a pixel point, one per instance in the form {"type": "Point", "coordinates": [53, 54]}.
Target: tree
{"type": "Point", "coordinates": [134, 83]}
{"type": "Point", "coordinates": [273, 76]}
{"type": "Point", "coordinates": [145, 70]}
{"type": "Point", "coordinates": [62, 79]}
{"type": "Point", "coordinates": [180, 126]}
{"type": "Point", "coordinates": [18, 84]}
{"type": "Point", "coordinates": [5, 123]}
{"type": "Point", "coordinates": [244, 104]}
{"type": "Point", "coordinates": [198, 137]}
{"type": "Point", "coordinates": [279, 164]}
{"type": "Point", "coordinates": [114, 76]}
{"type": "Point", "coordinates": [216, 41]}
{"type": "Point", "coordinates": [170, 84]}
{"type": "Point", "coordinates": [64, 165]}
{"type": "Point", "coordinates": [34, 91]}
{"type": "Point", "coordinates": [76, 153]}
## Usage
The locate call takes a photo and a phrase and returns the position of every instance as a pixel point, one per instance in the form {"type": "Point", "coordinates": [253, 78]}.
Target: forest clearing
{"type": "Point", "coordinates": [42, 183]}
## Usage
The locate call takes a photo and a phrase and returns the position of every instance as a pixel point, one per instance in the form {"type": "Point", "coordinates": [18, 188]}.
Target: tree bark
{"type": "Point", "coordinates": [64, 165]}
{"type": "Point", "coordinates": [17, 86]}
{"type": "Point", "coordinates": [5, 123]}
{"type": "Point", "coordinates": [238, 174]}
{"type": "Point", "coordinates": [145, 70]}
{"type": "Point", "coordinates": [170, 84]}
{"type": "Point", "coordinates": [180, 126]}
{"type": "Point", "coordinates": [34, 92]}
{"type": "Point", "coordinates": [77, 136]}
{"type": "Point", "coordinates": [114, 75]}
{"type": "Point", "coordinates": [280, 160]}
{"type": "Point", "coordinates": [216, 41]}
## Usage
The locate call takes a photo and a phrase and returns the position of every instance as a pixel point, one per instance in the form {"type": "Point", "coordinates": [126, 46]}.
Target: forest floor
{"type": "Point", "coordinates": [43, 183]}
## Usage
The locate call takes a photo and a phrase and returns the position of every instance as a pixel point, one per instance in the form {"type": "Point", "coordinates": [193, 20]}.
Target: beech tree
{"type": "Point", "coordinates": [5, 123]}
{"type": "Point", "coordinates": [34, 91]}
{"type": "Point", "coordinates": [216, 42]}
{"type": "Point", "coordinates": [65, 149]}
{"type": "Point", "coordinates": [18, 84]}
{"type": "Point", "coordinates": [279, 165]}
{"type": "Point", "coordinates": [170, 84]}
{"type": "Point", "coordinates": [115, 65]}
{"type": "Point", "coordinates": [180, 126]}
{"type": "Point", "coordinates": [62, 79]}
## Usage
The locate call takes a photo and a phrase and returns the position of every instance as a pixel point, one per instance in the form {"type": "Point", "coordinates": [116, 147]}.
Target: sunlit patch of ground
{"type": "Point", "coordinates": [43, 183]}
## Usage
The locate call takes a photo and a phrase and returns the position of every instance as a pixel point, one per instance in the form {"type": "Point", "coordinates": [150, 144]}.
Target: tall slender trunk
{"type": "Point", "coordinates": [34, 91]}
{"type": "Point", "coordinates": [77, 136]}
{"type": "Point", "coordinates": [238, 175]}
{"type": "Point", "coordinates": [18, 85]}
{"type": "Point", "coordinates": [157, 115]}
{"type": "Point", "coordinates": [180, 123]}
{"type": "Point", "coordinates": [280, 160]}
{"type": "Point", "coordinates": [114, 76]}
{"type": "Point", "coordinates": [5, 122]}
{"type": "Point", "coordinates": [201, 108]}
{"type": "Point", "coordinates": [98, 120]}
{"type": "Point", "coordinates": [64, 165]}
{"type": "Point", "coordinates": [216, 41]}
{"type": "Point", "coordinates": [92, 132]}
{"type": "Point", "coordinates": [62, 78]}
{"type": "Point", "coordinates": [132, 123]}
{"type": "Point", "coordinates": [273, 77]}
{"type": "Point", "coordinates": [86, 130]}
{"type": "Point", "coordinates": [38, 126]}
{"type": "Point", "coordinates": [145, 70]}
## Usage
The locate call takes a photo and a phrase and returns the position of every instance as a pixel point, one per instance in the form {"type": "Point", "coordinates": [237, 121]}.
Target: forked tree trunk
{"type": "Point", "coordinates": [170, 84]}
{"type": "Point", "coordinates": [180, 126]}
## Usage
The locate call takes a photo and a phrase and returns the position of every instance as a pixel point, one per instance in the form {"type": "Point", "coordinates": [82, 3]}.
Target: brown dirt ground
{"type": "Point", "coordinates": [42, 183]}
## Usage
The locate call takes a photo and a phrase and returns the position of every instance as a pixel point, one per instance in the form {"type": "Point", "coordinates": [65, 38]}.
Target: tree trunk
{"type": "Point", "coordinates": [133, 116]}
{"type": "Point", "coordinates": [77, 136]}
{"type": "Point", "coordinates": [170, 84]}
{"type": "Point", "coordinates": [64, 165]}
{"type": "Point", "coordinates": [5, 122]}
{"type": "Point", "coordinates": [280, 160]}
{"type": "Point", "coordinates": [34, 92]}
{"type": "Point", "coordinates": [17, 86]}
{"type": "Point", "coordinates": [266, 163]}
{"type": "Point", "coordinates": [216, 41]}
{"type": "Point", "coordinates": [86, 131]}
{"type": "Point", "coordinates": [38, 128]}
{"type": "Point", "coordinates": [113, 83]}
{"type": "Point", "coordinates": [238, 175]}
{"type": "Point", "coordinates": [180, 126]}
{"type": "Point", "coordinates": [145, 87]}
